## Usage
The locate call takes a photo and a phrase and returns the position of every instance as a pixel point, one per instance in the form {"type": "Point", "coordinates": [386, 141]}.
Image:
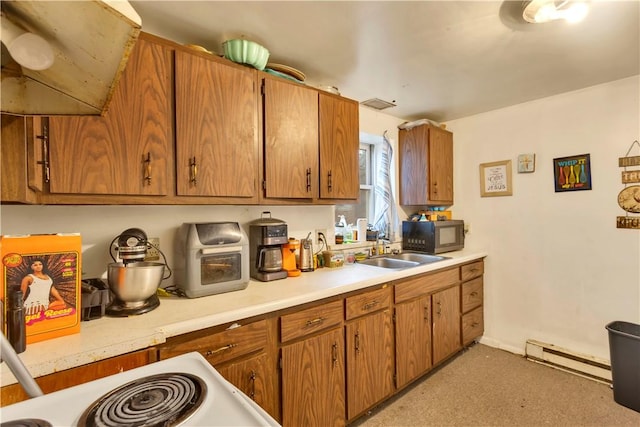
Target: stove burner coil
{"type": "Point", "coordinates": [27, 422]}
{"type": "Point", "coordinates": [157, 400]}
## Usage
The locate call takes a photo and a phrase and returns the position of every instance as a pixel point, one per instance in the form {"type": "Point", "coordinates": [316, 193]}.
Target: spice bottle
{"type": "Point", "coordinates": [16, 329]}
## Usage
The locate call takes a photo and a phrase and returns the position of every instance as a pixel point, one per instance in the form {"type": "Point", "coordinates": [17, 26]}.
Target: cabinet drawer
{"type": "Point", "coordinates": [472, 325]}
{"type": "Point", "coordinates": [368, 302]}
{"type": "Point", "coordinates": [311, 320]}
{"type": "Point", "coordinates": [469, 271]}
{"type": "Point", "coordinates": [425, 284]}
{"type": "Point", "coordinates": [222, 346]}
{"type": "Point", "coordinates": [472, 294]}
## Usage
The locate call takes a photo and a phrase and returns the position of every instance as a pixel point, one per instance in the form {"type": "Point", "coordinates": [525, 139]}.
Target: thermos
{"type": "Point", "coordinates": [16, 328]}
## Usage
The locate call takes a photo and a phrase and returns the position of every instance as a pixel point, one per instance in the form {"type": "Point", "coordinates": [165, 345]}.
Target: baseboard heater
{"type": "Point", "coordinates": [569, 361]}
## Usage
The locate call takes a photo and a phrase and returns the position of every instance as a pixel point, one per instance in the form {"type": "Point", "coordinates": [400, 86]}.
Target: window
{"type": "Point", "coordinates": [364, 209]}
{"type": "Point", "coordinates": [377, 202]}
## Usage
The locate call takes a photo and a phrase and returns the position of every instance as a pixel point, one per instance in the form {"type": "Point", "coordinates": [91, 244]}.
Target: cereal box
{"type": "Point", "coordinates": [46, 267]}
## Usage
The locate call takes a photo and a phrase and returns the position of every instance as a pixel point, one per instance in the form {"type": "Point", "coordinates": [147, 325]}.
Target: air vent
{"type": "Point", "coordinates": [378, 104]}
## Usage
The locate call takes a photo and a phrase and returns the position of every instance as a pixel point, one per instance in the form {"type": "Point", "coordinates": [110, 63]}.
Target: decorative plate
{"type": "Point", "coordinates": [296, 74]}
{"type": "Point", "coordinates": [198, 48]}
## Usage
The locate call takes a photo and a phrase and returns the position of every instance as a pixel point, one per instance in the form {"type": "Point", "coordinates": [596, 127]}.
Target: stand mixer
{"type": "Point", "coordinates": [133, 282]}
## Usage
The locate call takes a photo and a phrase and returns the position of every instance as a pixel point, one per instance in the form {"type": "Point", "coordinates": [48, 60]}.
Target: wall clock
{"type": "Point", "coordinates": [629, 199]}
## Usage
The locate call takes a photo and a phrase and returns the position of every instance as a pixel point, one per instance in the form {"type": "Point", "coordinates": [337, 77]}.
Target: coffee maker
{"type": "Point", "coordinates": [266, 237]}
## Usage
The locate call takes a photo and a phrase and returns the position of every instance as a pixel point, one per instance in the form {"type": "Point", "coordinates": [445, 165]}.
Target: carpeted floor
{"type": "Point", "coordinates": [485, 386]}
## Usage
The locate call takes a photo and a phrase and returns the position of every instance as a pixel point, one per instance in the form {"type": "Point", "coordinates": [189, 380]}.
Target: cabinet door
{"type": "Point", "coordinates": [125, 151]}
{"type": "Point", "coordinates": [251, 377]}
{"type": "Point", "coordinates": [446, 323]}
{"type": "Point", "coordinates": [339, 148]}
{"type": "Point", "coordinates": [216, 128]}
{"type": "Point", "coordinates": [20, 172]}
{"type": "Point", "coordinates": [369, 361]}
{"type": "Point", "coordinates": [290, 140]}
{"type": "Point", "coordinates": [313, 381]}
{"type": "Point", "coordinates": [426, 166]}
{"type": "Point", "coordinates": [413, 160]}
{"type": "Point", "coordinates": [440, 166]}
{"type": "Point", "coordinates": [413, 339]}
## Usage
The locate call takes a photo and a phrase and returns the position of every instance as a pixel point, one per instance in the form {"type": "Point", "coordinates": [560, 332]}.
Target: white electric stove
{"type": "Point", "coordinates": [182, 391]}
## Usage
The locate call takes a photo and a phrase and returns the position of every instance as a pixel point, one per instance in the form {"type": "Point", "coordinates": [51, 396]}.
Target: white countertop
{"type": "Point", "coordinates": [112, 336]}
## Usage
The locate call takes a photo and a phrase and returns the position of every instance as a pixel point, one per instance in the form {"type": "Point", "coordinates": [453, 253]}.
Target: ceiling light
{"type": "Point", "coordinates": [28, 49]}
{"type": "Point", "coordinates": [540, 11]}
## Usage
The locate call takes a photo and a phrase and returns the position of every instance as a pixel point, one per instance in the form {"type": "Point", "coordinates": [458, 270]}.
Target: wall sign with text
{"type": "Point", "coordinates": [572, 173]}
{"type": "Point", "coordinates": [629, 197]}
{"type": "Point", "coordinates": [495, 179]}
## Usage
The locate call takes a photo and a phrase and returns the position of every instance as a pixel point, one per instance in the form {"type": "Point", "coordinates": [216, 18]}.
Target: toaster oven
{"type": "Point", "coordinates": [211, 258]}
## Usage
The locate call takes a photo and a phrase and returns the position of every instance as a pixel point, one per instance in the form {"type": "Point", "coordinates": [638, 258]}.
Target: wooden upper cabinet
{"type": "Point", "coordinates": [20, 173]}
{"type": "Point", "coordinates": [339, 147]}
{"type": "Point", "coordinates": [125, 151]}
{"type": "Point", "coordinates": [290, 140]}
{"type": "Point", "coordinates": [426, 166]}
{"type": "Point", "coordinates": [216, 128]}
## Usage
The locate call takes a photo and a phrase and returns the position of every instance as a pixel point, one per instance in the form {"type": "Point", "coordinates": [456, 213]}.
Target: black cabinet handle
{"type": "Point", "coordinates": [147, 169]}
{"type": "Point", "coordinates": [45, 149]}
{"type": "Point", "coordinates": [193, 171]}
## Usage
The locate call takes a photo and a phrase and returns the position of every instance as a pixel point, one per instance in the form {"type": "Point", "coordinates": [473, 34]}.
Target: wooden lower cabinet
{"type": "Point", "coordinates": [250, 377]}
{"type": "Point", "coordinates": [71, 377]}
{"type": "Point", "coordinates": [313, 382]}
{"type": "Point", "coordinates": [330, 361]}
{"type": "Point", "coordinates": [370, 356]}
{"type": "Point", "coordinates": [471, 303]}
{"type": "Point", "coordinates": [413, 339]}
{"type": "Point", "coordinates": [241, 353]}
{"type": "Point", "coordinates": [446, 323]}
{"type": "Point", "coordinates": [472, 325]}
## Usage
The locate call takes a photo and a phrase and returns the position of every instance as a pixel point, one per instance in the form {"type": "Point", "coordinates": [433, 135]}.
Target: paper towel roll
{"type": "Point", "coordinates": [361, 224]}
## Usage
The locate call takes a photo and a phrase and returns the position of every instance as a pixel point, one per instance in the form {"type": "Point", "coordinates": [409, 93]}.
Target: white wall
{"type": "Point", "coordinates": [98, 225]}
{"type": "Point", "coordinates": [558, 269]}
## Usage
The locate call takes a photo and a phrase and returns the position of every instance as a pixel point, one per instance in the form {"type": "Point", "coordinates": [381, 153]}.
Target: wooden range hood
{"type": "Point", "coordinates": [91, 42]}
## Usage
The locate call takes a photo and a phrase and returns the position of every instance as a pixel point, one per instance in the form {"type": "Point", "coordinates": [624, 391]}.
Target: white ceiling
{"type": "Point", "coordinates": [440, 60]}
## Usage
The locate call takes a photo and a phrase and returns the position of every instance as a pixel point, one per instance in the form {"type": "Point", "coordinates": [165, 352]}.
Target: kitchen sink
{"type": "Point", "coordinates": [402, 260]}
{"type": "Point", "coordinates": [417, 257]}
{"type": "Point", "coordinates": [386, 262]}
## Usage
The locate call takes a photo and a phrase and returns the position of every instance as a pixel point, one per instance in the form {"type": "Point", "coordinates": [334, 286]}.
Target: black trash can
{"type": "Point", "coordinates": [624, 348]}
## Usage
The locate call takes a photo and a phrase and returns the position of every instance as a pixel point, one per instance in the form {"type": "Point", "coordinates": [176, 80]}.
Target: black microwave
{"type": "Point", "coordinates": [433, 237]}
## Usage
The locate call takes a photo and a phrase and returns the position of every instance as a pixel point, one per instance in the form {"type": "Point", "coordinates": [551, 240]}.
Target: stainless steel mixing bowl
{"type": "Point", "coordinates": [136, 282]}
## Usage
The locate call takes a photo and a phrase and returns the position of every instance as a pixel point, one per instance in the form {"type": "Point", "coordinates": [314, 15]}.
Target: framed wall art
{"type": "Point", "coordinates": [572, 173]}
{"type": "Point", "coordinates": [526, 163]}
{"type": "Point", "coordinates": [495, 179]}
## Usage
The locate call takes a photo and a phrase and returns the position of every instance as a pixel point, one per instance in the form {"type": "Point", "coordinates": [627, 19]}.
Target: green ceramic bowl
{"type": "Point", "coordinates": [246, 52]}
